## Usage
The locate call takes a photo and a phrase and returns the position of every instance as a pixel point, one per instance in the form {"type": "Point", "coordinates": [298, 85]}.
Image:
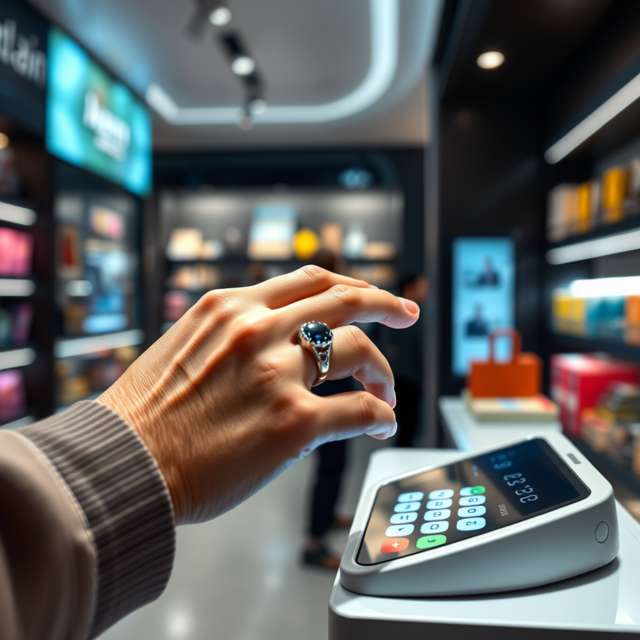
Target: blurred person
{"type": "Point", "coordinates": [477, 326]}
{"type": "Point", "coordinates": [404, 352]}
{"type": "Point", "coordinates": [331, 462]}
{"type": "Point", "coordinates": [208, 415]}
{"type": "Point", "coordinates": [489, 277]}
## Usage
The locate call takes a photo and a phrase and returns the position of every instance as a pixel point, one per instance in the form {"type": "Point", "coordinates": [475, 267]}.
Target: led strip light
{"type": "Point", "coordinates": [92, 344]}
{"type": "Point", "coordinates": [605, 112]}
{"type": "Point", "coordinates": [16, 358]}
{"type": "Point", "coordinates": [17, 215]}
{"type": "Point", "coordinates": [382, 68]}
{"type": "Point", "coordinates": [16, 288]}
{"type": "Point", "coordinates": [617, 243]}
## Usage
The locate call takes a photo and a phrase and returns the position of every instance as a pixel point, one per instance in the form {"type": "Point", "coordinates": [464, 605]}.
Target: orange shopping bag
{"type": "Point", "coordinates": [518, 378]}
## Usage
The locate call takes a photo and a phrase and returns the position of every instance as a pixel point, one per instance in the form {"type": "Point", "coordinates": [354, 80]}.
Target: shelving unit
{"type": "Point", "coordinates": [618, 349]}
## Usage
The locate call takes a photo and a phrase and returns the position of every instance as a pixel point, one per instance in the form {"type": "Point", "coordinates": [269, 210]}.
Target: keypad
{"type": "Point", "coordinates": [402, 507]}
{"type": "Point", "coordinates": [469, 511]}
{"type": "Point", "coordinates": [434, 527]}
{"type": "Point", "coordinates": [398, 530]}
{"type": "Point", "coordinates": [400, 518]}
{"type": "Point", "coordinates": [439, 504]}
{"type": "Point", "coordinates": [472, 500]}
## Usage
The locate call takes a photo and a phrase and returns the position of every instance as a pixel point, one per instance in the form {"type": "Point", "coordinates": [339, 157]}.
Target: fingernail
{"type": "Point", "coordinates": [410, 306]}
{"type": "Point", "coordinates": [393, 431]}
{"type": "Point", "coordinates": [394, 401]}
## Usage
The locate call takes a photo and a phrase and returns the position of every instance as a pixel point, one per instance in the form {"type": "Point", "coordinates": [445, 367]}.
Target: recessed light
{"type": "Point", "coordinates": [220, 16]}
{"type": "Point", "coordinates": [490, 60]}
{"type": "Point", "coordinates": [243, 65]}
{"type": "Point", "coordinates": [4, 140]}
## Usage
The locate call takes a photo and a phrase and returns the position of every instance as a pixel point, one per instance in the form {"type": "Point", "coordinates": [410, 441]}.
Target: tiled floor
{"type": "Point", "coordinates": [239, 577]}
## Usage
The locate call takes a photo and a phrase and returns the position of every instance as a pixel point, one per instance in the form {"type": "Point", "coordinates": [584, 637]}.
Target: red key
{"type": "Point", "coordinates": [393, 545]}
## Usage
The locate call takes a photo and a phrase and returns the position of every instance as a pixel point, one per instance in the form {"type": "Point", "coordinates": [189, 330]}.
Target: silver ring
{"type": "Point", "coordinates": [316, 337]}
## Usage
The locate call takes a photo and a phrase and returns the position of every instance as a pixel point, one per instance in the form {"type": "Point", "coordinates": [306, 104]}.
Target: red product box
{"type": "Point", "coordinates": [587, 380]}
{"type": "Point", "coordinates": [561, 364]}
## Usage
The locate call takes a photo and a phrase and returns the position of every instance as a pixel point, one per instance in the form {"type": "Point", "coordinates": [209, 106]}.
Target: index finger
{"type": "Point", "coordinates": [302, 283]}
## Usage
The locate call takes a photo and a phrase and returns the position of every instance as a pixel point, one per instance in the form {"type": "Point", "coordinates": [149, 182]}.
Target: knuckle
{"type": "Point", "coordinates": [315, 273]}
{"type": "Point", "coordinates": [347, 295]}
{"type": "Point", "coordinates": [217, 303]}
{"type": "Point", "coordinates": [249, 331]}
{"type": "Point", "coordinates": [297, 419]}
{"type": "Point", "coordinates": [368, 409]}
{"type": "Point", "coordinates": [357, 340]}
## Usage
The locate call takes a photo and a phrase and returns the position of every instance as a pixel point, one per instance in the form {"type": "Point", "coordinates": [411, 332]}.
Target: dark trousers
{"type": "Point", "coordinates": [331, 462]}
{"type": "Point", "coordinates": [408, 397]}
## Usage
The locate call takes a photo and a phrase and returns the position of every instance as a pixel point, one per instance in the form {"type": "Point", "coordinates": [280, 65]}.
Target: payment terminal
{"type": "Point", "coordinates": [529, 513]}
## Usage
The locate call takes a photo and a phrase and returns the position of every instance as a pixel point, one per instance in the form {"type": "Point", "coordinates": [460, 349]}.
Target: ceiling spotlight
{"type": "Point", "coordinates": [4, 140]}
{"type": "Point", "coordinates": [243, 65]}
{"type": "Point", "coordinates": [220, 16]}
{"type": "Point", "coordinates": [490, 60]}
{"type": "Point", "coordinates": [257, 107]}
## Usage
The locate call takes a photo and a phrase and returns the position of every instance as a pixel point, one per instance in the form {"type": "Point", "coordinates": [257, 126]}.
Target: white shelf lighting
{"type": "Point", "coordinates": [606, 287]}
{"type": "Point", "coordinates": [17, 215]}
{"type": "Point", "coordinates": [596, 120]}
{"type": "Point", "coordinates": [66, 348]}
{"type": "Point", "coordinates": [16, 358]}
{"type": "Point", "coordinates": [16, 288]}
{"type": "Point", "coordinates": [588, 249]}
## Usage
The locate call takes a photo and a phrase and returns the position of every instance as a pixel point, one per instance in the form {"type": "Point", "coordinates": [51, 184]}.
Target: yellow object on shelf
{"type": "Point", "coordinates": [614, 189]}
{"type": "Point", "coordinates": [632, 320]}
{"type": "Point", "coordinates": [305, 244]}
{"type": "Point", "coordinates": [584, 207]}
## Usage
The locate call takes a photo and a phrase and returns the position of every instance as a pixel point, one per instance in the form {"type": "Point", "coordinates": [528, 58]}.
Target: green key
{"type": "Point", "coordinates": [426, 542]}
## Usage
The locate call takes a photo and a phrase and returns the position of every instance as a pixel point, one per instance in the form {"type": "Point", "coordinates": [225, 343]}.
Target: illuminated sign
{"type": "Point", "coordinates": [94, 121]}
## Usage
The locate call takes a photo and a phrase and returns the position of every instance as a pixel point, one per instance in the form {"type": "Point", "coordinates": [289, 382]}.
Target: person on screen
{"type": "Point", "coordinates": [489, 277]}
{"type": "Point", "coordinates": [477, 326]}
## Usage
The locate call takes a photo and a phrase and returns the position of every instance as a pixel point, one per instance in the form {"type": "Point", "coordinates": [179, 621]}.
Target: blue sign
{"type": "Point", "coordinates": [94, 121]}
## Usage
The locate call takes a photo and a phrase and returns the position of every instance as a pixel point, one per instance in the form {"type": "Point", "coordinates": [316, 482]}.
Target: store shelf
{"type": "Point", "coordinates": [610, 467]}
{"type": "Point", "coordinates": [15, 358]}
{"type": "Point", "coordinates": [16, 287]}
{"type": "Point", "coordinates": [20, 422]}
{"type": "Point", "coordinates": [619, 349]}
{"type": "Point", "coordinates": [602, 241]}
{"type": "Point", "coordinates": [69, 347]}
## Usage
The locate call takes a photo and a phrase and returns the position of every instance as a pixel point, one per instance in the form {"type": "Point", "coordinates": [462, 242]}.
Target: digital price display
{"type": "Point", "coordinates": [466, 499]}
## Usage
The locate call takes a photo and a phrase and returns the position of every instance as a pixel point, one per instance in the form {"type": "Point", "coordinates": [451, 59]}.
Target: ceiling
{"type": "Point", "coordinates": [309, 53]}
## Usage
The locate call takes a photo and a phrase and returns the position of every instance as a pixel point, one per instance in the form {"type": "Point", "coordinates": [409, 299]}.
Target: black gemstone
{"type": "Point", "coordinates": [317, 332]}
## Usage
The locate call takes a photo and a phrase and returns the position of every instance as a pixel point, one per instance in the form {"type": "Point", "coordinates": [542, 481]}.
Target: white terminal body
{"type": "Point", "coordinates": [559, 544]}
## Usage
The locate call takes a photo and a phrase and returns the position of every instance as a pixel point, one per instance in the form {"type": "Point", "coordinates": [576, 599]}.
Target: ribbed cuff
{"type": "Point", "coordinates": [125, 501]}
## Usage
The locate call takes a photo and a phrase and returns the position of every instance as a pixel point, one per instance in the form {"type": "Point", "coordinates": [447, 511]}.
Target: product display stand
{"type": "Point", "coordinates": [465, 433]}
{"type": "Point", "coordinates": [597, 605]}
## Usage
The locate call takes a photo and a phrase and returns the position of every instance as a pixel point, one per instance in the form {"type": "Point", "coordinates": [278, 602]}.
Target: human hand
{"type": "Point", "coordinates": [223, 400]}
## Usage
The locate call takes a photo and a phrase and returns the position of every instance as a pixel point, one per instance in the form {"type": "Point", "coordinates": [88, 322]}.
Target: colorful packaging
{"type": "Point", "coordinates": [13, 403]}
{"type": "Point", "coordinates": [632, 320]}
{"type": "Point", "coordinates": [614, 190]}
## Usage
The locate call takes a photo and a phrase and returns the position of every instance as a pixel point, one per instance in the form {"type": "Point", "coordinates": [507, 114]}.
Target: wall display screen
{"type": "Point", "coordinates": [483, 298]}
{"type": "Point", "coordinates": [93, 121]}
{"type": "Point", "coordinates": [466, 499]}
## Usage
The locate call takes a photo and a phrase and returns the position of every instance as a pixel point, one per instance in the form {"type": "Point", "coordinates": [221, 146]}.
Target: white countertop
{"type": "Point", "coordinates": [605, 602]}
{"type": "Point", "coordinates": [468, 434]}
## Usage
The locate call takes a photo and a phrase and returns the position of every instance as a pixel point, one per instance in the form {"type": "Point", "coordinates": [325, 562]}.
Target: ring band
{"type": "Point", "coordinates": [317, 337]}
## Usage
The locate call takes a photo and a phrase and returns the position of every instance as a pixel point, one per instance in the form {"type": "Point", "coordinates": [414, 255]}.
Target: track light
{"type": "Point", "coordinates": [243, 65]}
{"type": "Point", "coordinates": [220, 16]}
{"type": "Point", "coordinates": [490, 60]}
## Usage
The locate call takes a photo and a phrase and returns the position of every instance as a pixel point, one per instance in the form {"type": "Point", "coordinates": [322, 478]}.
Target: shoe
{"type": "Point", "coordinates": [321, 558]}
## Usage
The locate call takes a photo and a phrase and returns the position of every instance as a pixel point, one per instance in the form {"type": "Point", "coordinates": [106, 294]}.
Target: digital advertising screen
{"type": "Point", "coordinates": [93, 121]}
{"type": "Point", "coordinates": [483, 298]}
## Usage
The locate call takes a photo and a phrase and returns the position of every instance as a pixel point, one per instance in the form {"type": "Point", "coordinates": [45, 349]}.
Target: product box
{"type": "Point", "coordinates": [582, 380]}
{"type": "Point", "coordinates": [13, 403]}
{"type": "Point", "coordinates": [562, 211]}
{"type": "Point", "coordinates": [632, 320]}
{"type": "Point", "coordinates": [614, 190]}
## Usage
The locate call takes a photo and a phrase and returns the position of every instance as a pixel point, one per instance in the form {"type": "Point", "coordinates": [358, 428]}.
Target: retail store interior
{"type": "Point", "coordinates": [479, 157]}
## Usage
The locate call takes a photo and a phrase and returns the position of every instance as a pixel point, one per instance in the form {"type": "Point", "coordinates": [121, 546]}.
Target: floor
{"type": "Point", "coordinates": [239, 576]}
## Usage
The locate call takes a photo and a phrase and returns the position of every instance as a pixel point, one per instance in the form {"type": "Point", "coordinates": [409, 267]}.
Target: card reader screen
{"type": "Point", "coordinates": [466, 499]}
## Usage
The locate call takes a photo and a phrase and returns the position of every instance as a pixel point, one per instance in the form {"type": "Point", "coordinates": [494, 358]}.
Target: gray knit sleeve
{"type": "Point", "coordinates": [125, 501]}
